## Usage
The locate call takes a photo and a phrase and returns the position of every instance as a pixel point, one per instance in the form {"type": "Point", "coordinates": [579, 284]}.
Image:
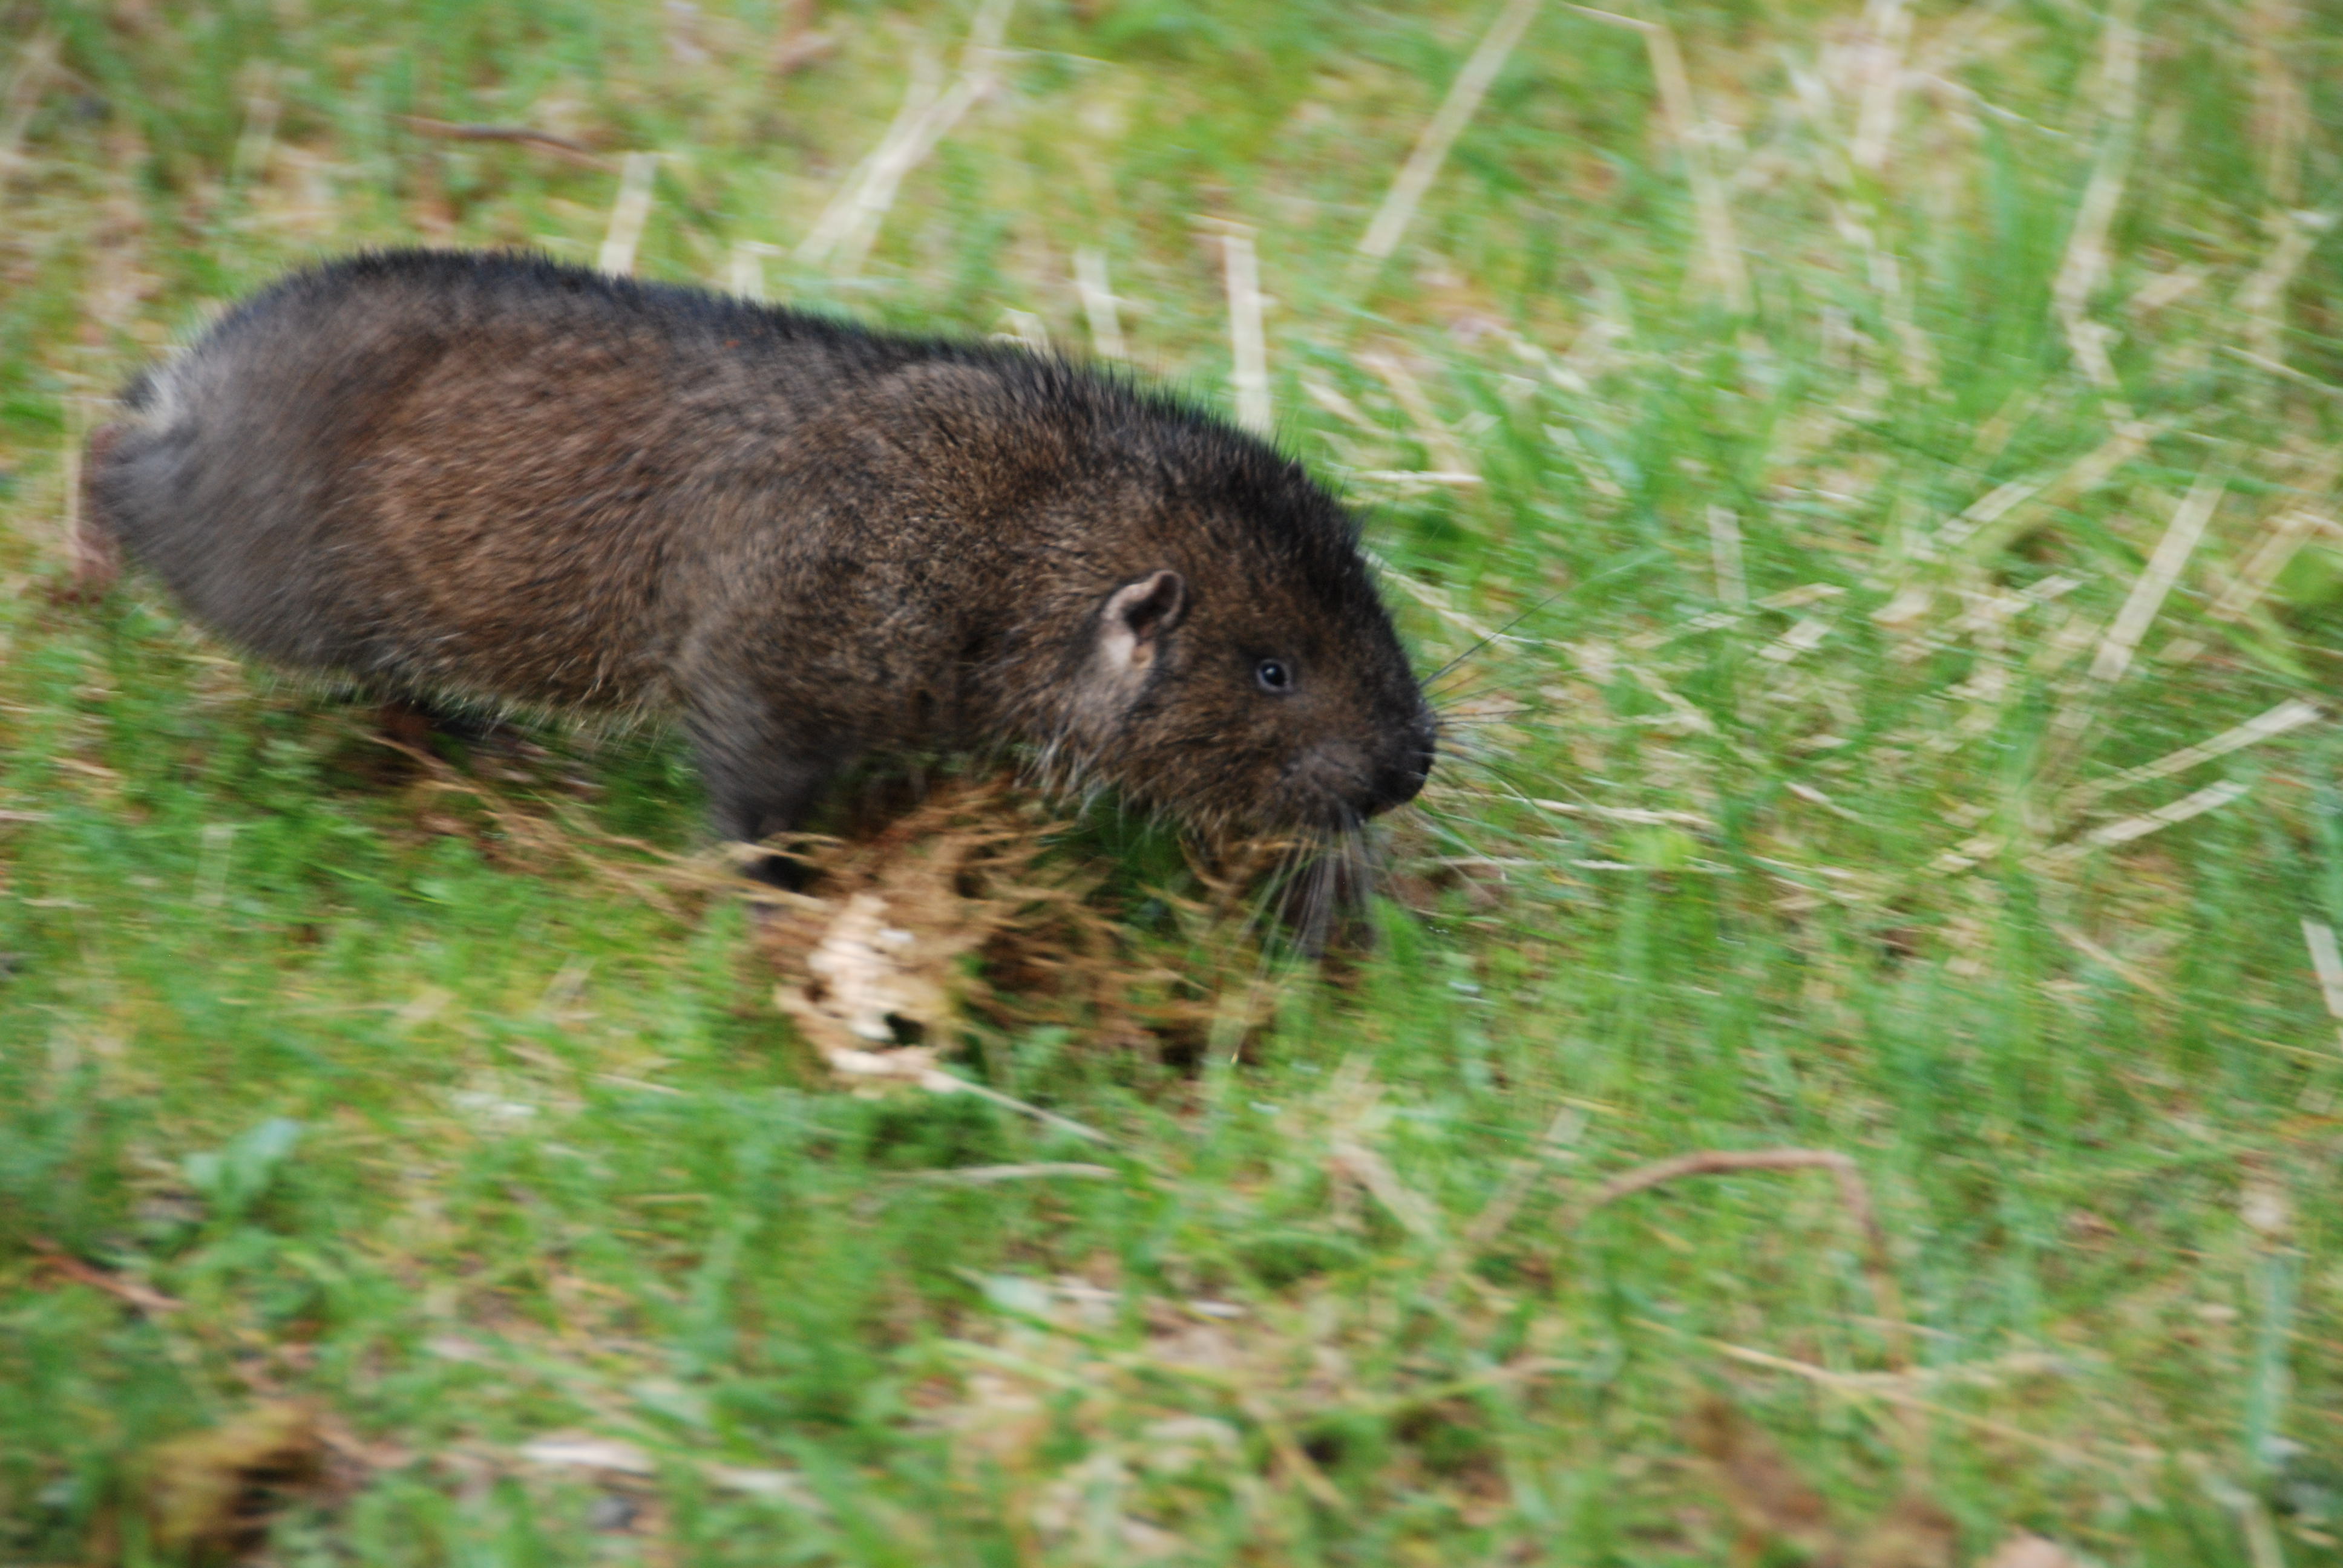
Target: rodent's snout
{"type": "Point", "coordinates": [1404, 770]}
{"type": "Point", "coordinates": [1350, 783]}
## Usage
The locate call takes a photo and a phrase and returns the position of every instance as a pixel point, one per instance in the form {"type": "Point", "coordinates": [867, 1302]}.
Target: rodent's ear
{"type": "Point", "coordinates": [1138, 614]}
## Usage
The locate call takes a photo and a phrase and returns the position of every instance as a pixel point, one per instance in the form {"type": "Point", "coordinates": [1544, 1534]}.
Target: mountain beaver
{"type": "Point", "coordinates": [493, 477]}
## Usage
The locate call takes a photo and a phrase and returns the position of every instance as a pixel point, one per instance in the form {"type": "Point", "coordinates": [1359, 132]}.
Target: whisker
{"type": "Point", "coordinates": [1511, 786]}
{"type": "Point", "coordinates": [1488, 638]}
{"type": "Point", "coordinates": [1639, 559]}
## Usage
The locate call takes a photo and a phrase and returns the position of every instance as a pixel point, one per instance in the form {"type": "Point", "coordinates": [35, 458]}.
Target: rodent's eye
{"type": "Point", "coordinates": [1276, 675]}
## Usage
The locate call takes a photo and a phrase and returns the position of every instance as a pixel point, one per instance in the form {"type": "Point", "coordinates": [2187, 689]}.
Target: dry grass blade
{"type": "Point", "coordinates": [1521, 1179]}
{"type": "Point", "coordinates": [1889, 29]}
{"type": "Point", "coordinates": [2028, 1551]}
{"type": "Point", "coordinates": [36, 68]}
{"type": "Point", "coordinates": [2282, 119]}
{"type": "Point", "coordinates": [2283, 371]}
{"type": "Point", "coordinates": [2291, 714]}
{"type": "Point", "coordinates": [2270, 555]}
{"type": "Point", "coordinates": [588, 1450]}
{"type": "Point", "coordinates": [2155, 579]}
{"type": "Point", "coordinates": [1687, 130]}
{"type": "Point", "coordinates": [2262, 300]}
{"type": "Point", "coordinates": [843, 234]}
{"type": "Point", "coordinates": [1725, 557]}
{"type": "Point", "coordinates": [2112, 964]}
{"type": "Point", "coordinates": [628, 214]}
{"type": "Point", "coordinates": [987, 1175]}
{"type": "Point", "coordinates": [1445, 450]}
{"type": "Point", "coordinates": [1416, 478]}
{"type": "Point", "coordinates": [1853, 1193]}
{"type": "Point", "coordinates": [745, 270]}
{"type": "Point", "coordinates": [1440, 134]}
{"type": "Point", "coordinates": [940, 1083]}
{"type": "Point", "coordinates": [2211, 798]}
{"type": "Point", "coordinates": [1371, 1171]}
{"type": "Point", "coordinates": [2003, 514]}
{"type": "Point", "coordinates": [1855, 1385]}
{"type": "Point", "coordinates": [1248, 340]}
{"type": "Point", "coordinates": [2086, 265]}
{"type": "Point", "coordinates": [846, 208]}
{"type": "Point", "coordinates": [257, 146]}
{"type": "Point", "coordinates": [2328, 963]}
{"type": "Point", "coordinates": [1099, 303]}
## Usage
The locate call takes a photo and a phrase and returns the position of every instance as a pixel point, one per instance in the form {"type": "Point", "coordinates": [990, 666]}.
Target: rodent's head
{"type": "Point", "coordinates": [1238, 665]}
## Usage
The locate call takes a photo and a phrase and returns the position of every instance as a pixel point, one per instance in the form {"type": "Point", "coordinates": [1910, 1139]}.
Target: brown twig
{"type": "Point", "coordinates": [146, 1298]}
{"type": "Point", "coordinates": [449, 130]}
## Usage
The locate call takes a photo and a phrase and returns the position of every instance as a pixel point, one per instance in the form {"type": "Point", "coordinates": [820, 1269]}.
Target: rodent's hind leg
{"type": "Point", "coordinates": [760, 780]}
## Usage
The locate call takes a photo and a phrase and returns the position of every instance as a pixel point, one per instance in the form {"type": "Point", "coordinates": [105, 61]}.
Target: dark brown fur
{"type": "Point", "coordinates": [498, 477]}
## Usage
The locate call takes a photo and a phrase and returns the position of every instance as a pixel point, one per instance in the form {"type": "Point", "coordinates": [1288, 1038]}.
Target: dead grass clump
{"type": "Point", "coordinates": [955, 920]}
{"type": "Point", "coordinates": [208, 1496]}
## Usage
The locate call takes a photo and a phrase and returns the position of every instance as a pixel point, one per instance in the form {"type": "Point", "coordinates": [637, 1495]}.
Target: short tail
{"type": "Point", "coordinates": [92, 542]}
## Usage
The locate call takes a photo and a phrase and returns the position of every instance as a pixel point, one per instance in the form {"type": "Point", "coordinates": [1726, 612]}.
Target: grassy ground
{"type": "Point", "coordinates": [1921, 430]}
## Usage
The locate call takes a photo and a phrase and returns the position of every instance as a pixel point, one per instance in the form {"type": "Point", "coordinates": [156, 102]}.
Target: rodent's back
{"type": "Point", "coordinates": [464, 470]}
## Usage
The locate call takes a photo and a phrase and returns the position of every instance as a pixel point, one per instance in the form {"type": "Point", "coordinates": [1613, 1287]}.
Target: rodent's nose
{"type": "Point", "coordinates": [1402, 777]}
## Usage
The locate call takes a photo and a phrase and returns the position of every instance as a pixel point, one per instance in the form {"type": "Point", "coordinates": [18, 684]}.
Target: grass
{"type": "Point", "coordinates": [1794, 812]}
